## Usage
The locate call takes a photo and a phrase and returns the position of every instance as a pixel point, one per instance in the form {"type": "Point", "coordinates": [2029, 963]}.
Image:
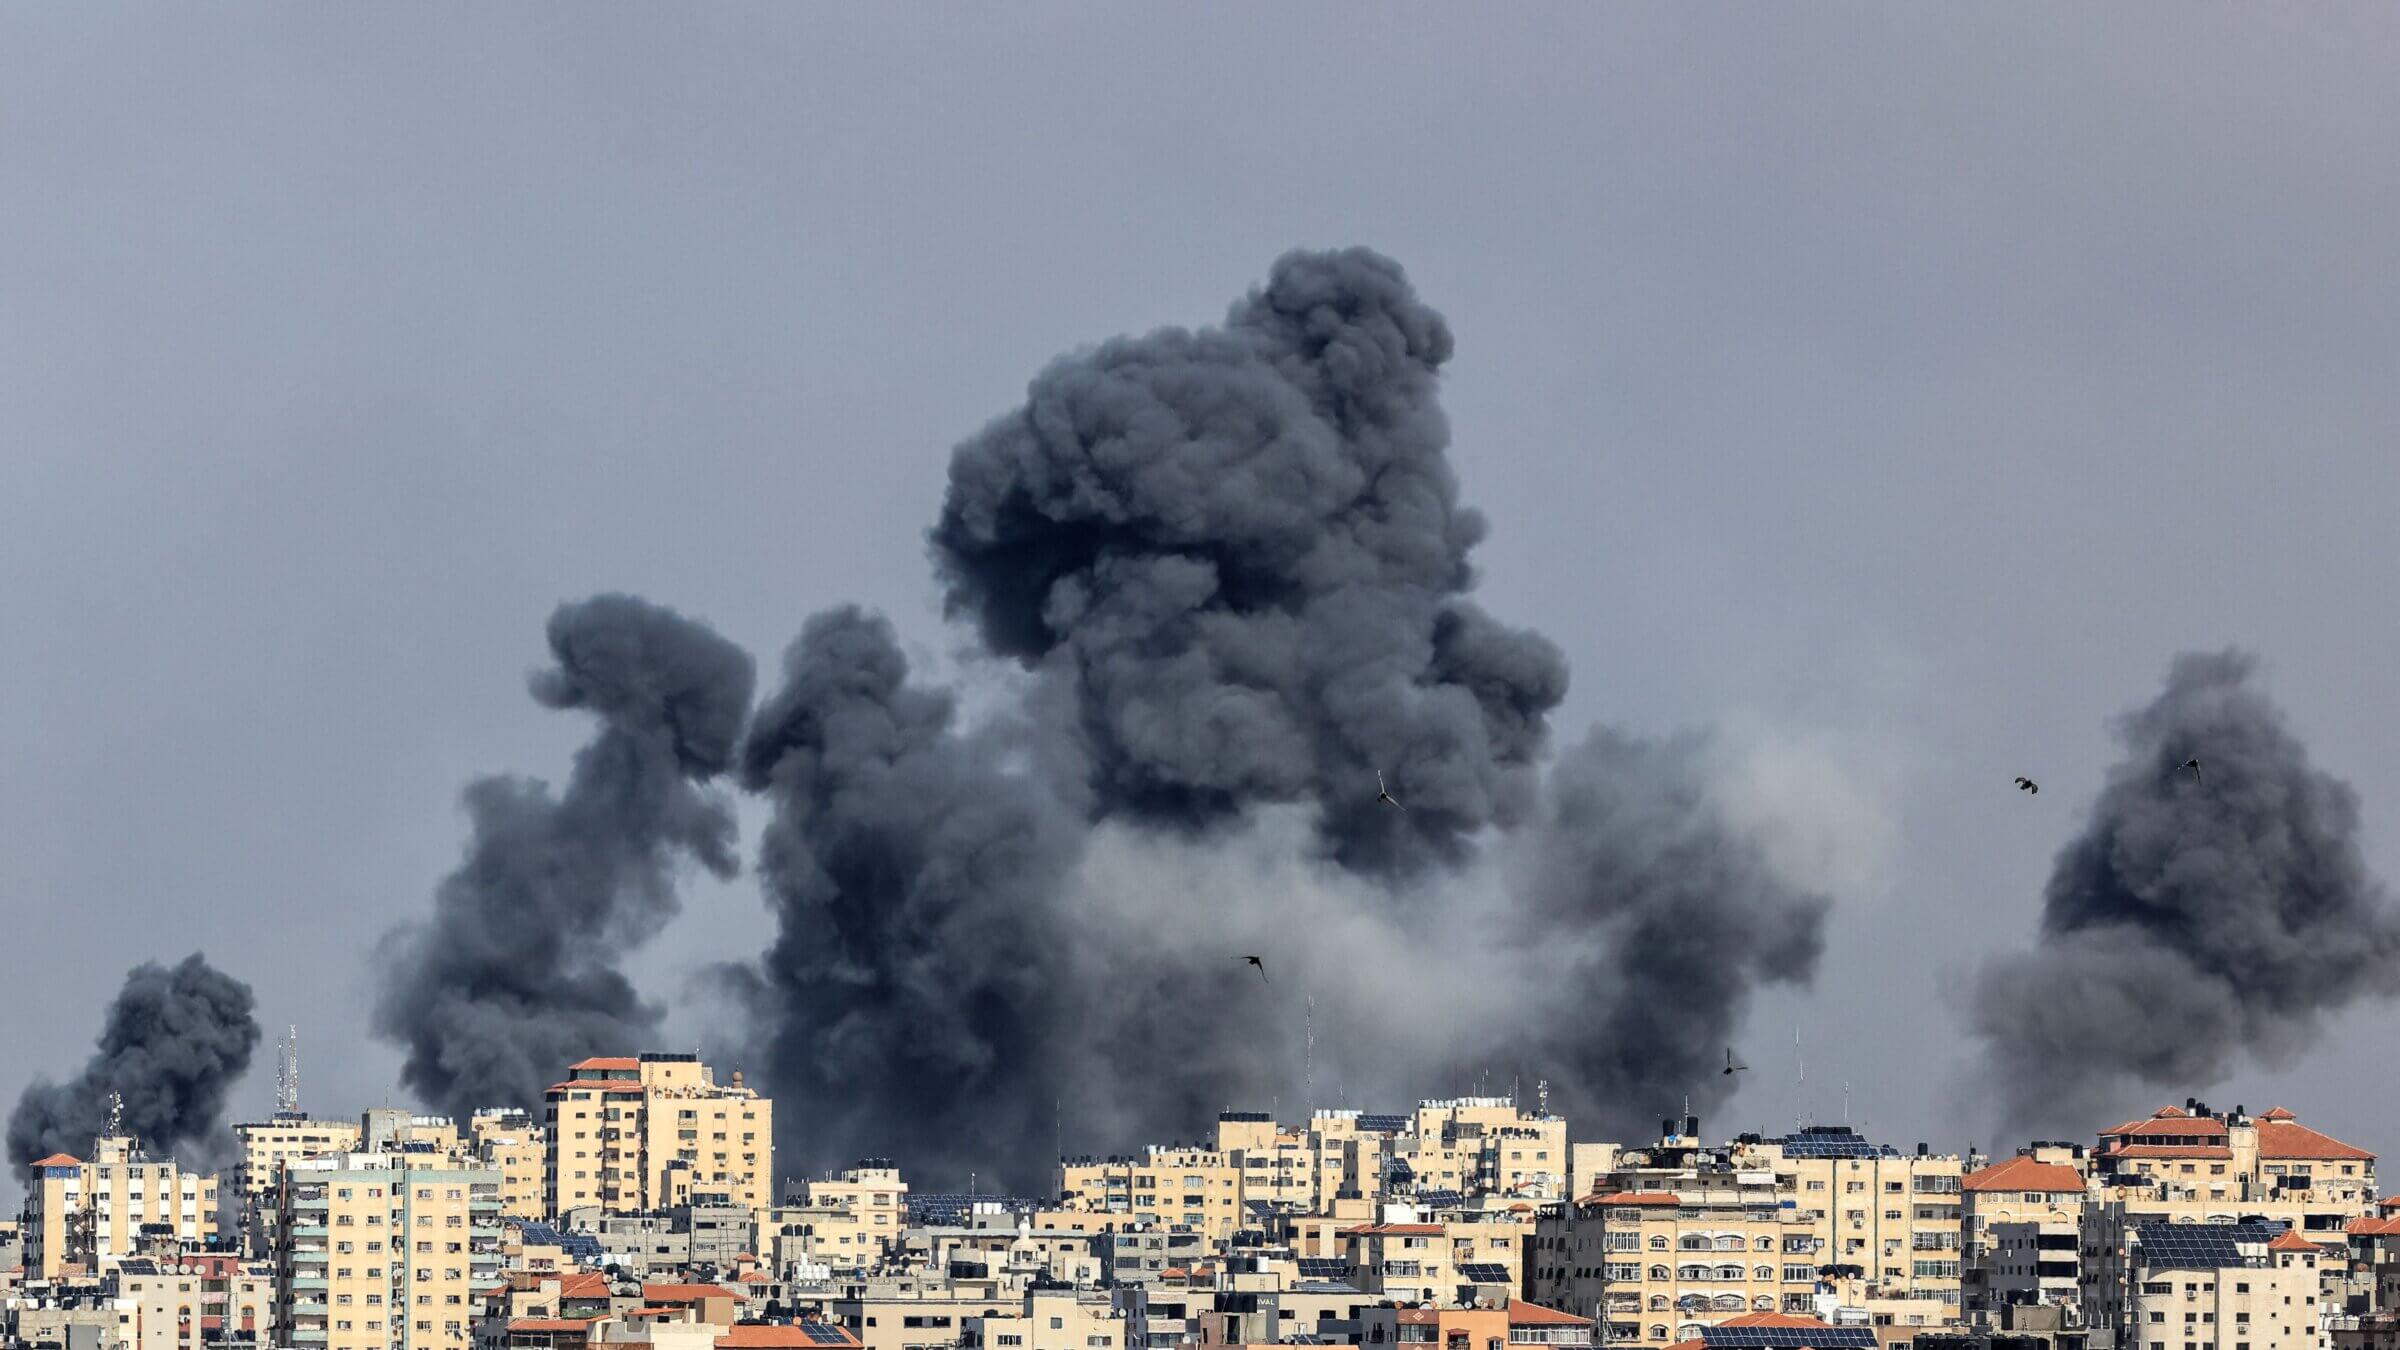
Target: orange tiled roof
{"type": "Point", "coordinates": [1632, 1198]}
{"type": "Point", "coordinates": [2021, 1173]}
{"type": "Point", "coordinates": [605, 1062]}
{"type": "Point", "coordinates": [2289, 1241]}
{"type": "Point", "coordinates": [58, 1160]}
{"type": "Point", "coordinates": [552, 1324]}
{"type": "Point", "coordinates": [2171, 1151]}
{"type": "Point", "coordinates": [2277, 1113]}
{"type": "Point", "coordinates": [2287, 1138]}
{"type": "Point", "coordinates": [2177, 1125]}
{"type": "Point", "coordinates": [583, 1284]}
{"type": "Point", "coordinates": [2366, 1227]}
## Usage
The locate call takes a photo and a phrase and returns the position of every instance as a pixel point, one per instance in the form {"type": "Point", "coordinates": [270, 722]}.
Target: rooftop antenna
{"type": "Point", "coordinates": [1845, 1101]}
{"type": "Point", "coordinates": [287, 1072]}
{"type": "Point", "coordinates": [1799, 1082]}
{"type": "Point", "coordinates": [1541, 1090]}
{"type": "Point", "coordinates": [1308, 1060]}
{"type": "Point", "coordinates": [116, 1115]}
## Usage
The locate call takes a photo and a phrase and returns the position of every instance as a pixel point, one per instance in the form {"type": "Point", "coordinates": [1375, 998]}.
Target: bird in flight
{"type": "Point", "coordinates": [1258, 962]}
{"type": "Point", "coordinates": [1732, 1066]}
{"type": "Point", "coordinates": [2025, 784]}
{"type": "Point", "coordinates": [2194, 765]}
{"type": "Point", "coordinates": [1383, 794]}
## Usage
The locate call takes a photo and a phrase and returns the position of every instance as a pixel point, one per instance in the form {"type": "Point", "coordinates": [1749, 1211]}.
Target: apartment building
{"type": "Point", "coordinates": [630, 1135]}
{"type": "Point", "coordinates": [512, 1143]}
{"type": "Point", "coordinates": [1049, 1320]}
{"type": "Point", "coordinates": [2193, 1165]}
{"type": "Point", "coordinates": [2021, 1225]}
{"type": "Point", "coordinates": [1484, 1146]}
{"type": "Point", "coordinates": [91, 1215]}
{"type": "Point", "coordinates": [1200, 1188]}
{"type": "Point", "coordinates": [1894, 1216]}
{"type": "Point", "coordinates": [265, 1146]}
{"type": "Point", "coordinates": [383, 1255]}
{"type": "Point", "coordinates": [2250, 1286]}
{"type": "Point", "coordinates": [188, 1301]}
{"type": "Point", "coordinates": [1277, 1166]}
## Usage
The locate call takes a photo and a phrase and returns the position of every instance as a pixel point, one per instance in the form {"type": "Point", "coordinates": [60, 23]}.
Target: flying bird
{"type": "Point", "coordinates": [1733, 1066]}
{"type": "Point", "coordinates": [1383, 794]}
{"type": "Point", "coordinates": [2194, 765]}
{"type": "Point", "coordinates": [2025, 784]}
{"type": "Point", "coordinates": [1258, 962]}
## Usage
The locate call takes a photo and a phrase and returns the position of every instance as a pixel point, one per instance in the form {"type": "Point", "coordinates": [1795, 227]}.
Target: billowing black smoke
{"type": "Point", "coordinates": [917, 993]}
{"type": "Point", "coordinates": [517, 973]}
{"type": "Point", "coordinates": [1236, 559]}
{"type": "Point", "coordinates": [2199, 915]}
{"type": "Point", "coordinates": [176, 1039]}
{"type": "Point", "coordinates": [1668, 916]}
{"type": "Point", "coordinates": [1244, 548]}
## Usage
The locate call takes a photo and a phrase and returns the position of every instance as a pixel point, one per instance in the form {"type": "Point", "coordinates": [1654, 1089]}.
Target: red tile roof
{"type": "Point", "coordinates": [2171, 1151]}
{"type": "Point", "coordinates": [552, 1323]}
{"type": "Point", "coordinates": [2287, 1139]}
{"type": "Point", "coordinates": [1632, 1198]}
{"type": "Point", "coordinates": [2021, 1173]}
{"type": "Point", "coordinates": [604, 1062]}
{"type": "Point", "coordinates": [2289, 1241]}
{"type": "Point", "coordinates": [2276, 1113]}
{"type": "Point", "coordinates": [2178, 1125]}
{"type": "Point", "coordinates": [2365, 1227]}
{"type": "Point", "coordinates": [58, 1160]}
{"type": "Point", "coordinates": [583, 1284]}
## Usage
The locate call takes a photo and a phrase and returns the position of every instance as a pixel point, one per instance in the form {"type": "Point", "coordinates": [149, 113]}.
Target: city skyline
{"type": "Point", "coordinates": [331, 397]}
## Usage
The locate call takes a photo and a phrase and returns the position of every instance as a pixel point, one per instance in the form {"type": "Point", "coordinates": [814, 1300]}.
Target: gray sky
{"type": "Point", "coordinates": [1899, 388]}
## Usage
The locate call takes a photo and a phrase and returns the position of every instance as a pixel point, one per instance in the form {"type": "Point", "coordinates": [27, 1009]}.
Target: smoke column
{"type": "Point", "coordinates": [2196, 916]}
{"type": "Point", "coordinates": [174, 1042]}
{"type": "Point", "coordinates": [1668, 916]}
{"type": "Point", "coordinates": [1234, 564]}
{"type": "Point", "coordinates": [516, 974]}
{"type": "Point", "coordinates": [1244, 548]}
{"type": "Point", "coordinates": [916, 989]}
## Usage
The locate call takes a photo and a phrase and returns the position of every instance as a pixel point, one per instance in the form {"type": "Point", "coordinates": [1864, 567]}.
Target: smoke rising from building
{"type": "Point", "coordinates": [1243, 548]}
{"type": "Point", "coordinates": [1668, 917]}
{"type": "Point", "coordinates": [175, 1040]}
{"type": "Point", "coordinates": [915, 997]}
{"type": "Point", "coordinates": [2198, 915]}
{"type": "Point", "coordinates": [517, 973]}
{"type": "Point", "coordinates": [1235, 563]}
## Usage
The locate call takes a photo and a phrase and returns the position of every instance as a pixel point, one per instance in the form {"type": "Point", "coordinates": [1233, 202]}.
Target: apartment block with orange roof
{"type": "Point", "coordinates": [635, 1134]}
{"type": "Point", "coordinates": [2195, 1165]}
{"type": "Point", "coordinates": [2021, 1223]}
{"type": "Point", "coordinates": [91, 1214]}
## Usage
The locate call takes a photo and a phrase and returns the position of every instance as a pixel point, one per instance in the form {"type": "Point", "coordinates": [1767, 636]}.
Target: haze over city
{"type": "Point", "coordinates": [1865, 416]}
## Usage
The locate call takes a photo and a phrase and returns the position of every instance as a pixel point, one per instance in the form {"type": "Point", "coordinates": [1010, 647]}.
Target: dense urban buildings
{"type": "Point", "coordinates": [642, 1210]}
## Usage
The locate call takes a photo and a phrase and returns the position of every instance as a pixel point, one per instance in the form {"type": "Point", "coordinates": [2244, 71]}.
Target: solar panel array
{"type": "Point", "coordinates": [1782, 1338]}
{"type": "Point", "coordinates": [1383, 1124]}
{"type": "Point", "coordinates": [1441, 1198]}
{"type": "Point", "coordinates": [824, 1331]}
{"type": "Point", "coordinates": [1485, 1272]}
{"type": "Point", "coordinates": [1832, 1141]}
{"type": "Point", "coordinates": [2200, 1246]}
{"type": "Point", "coordinates": [1323, 1268]}
{"type": "Point", "coordinates": [939, 1210]}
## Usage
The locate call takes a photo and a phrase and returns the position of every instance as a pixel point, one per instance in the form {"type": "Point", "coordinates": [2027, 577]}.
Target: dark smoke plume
{"type": "Point", "coordinates": [175, 1041]}
{"type": "Point", "coordinates": [1668, 916]}
{"type": "Point", "coordinates": [2196, 917]}
{"type": "Point", "coordinates": [516, 975]}
{"type": "Point", "coordinates": [1236, 563]}
{"type": "Point", "coordinates": [916, 992]}
{"type": "Point", "coordinates": [1244, 548]}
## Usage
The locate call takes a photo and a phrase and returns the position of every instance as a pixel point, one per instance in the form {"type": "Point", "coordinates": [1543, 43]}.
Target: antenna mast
{"type": "Point", "coordinates": [1308, 1062]}
{"type": "Point", "coordinates": [116, 1115]}
{"type": "Point", "coordinates": [287, 1072]}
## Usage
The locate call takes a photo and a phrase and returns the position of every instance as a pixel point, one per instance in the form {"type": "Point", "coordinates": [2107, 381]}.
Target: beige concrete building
{"type": "Point", "coordinates": [2217, 1287]}
{"type": "Point", "coordinates": [636, 1134]}
{"type": "Point", "coordinates": [2021, 1224]}
{"type": "Point", "coordinates": [513, 1144]}
{"type": "Point", "coordinates": [1277, 1166]}
{"type": "Point", "coordinates": [1894, 1216]}
{"type": "Point", "coordinates": [2192, 1165]}
{"type": "Point", "coordinates": [189, 1301]}
{"type": "Point", "coordinates": [266, 1145]}
{"type": "Point", "coordinates": [1200, 1188]}
{"type": "Point", "coordinates": [90, 1215]}
{"type": "Point", "coordinates": [1049, 1320]}
{"type": "Point", "coordinates": [384, 1255]}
